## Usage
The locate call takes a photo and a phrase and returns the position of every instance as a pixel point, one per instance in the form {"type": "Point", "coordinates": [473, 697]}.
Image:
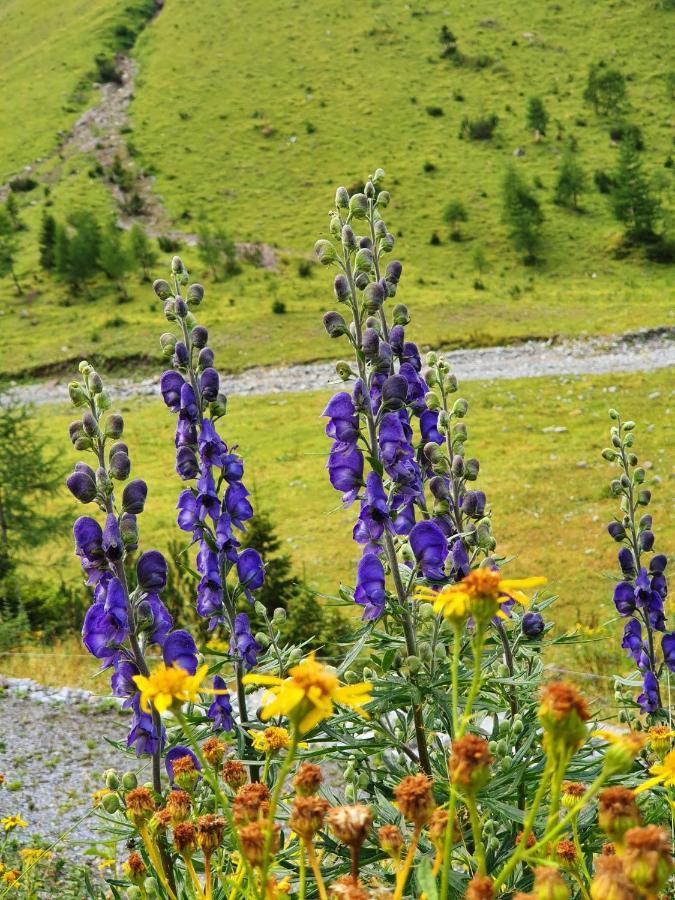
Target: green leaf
{"type": "Point", "coordinates": [426, 880]}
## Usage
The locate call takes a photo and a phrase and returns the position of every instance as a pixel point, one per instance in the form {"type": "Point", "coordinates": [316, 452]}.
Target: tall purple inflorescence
{"type": "Point", "coordinates": [216, 506]}
{"type": "Point", "coordinates": [641, 593]}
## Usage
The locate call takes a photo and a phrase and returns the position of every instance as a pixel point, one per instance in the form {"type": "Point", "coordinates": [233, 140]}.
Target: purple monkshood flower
{"type": "Point", "coordinates": [343, 426]}
{"type": "Point", "coordinates": [189, 407]}
{"type": "Point", "coordinates": [243, 644]}
{"type": "Point", "coordinates": [237, 505]}
{"type": "Point", "coordinates": [532, 624]}
{"type": "Point", "coordinates": [633, 643]}
{"type": "Point", "coordinates": [398, 456]}
{"type": "Point", "coordinates": [106, 624]}
{"type": "Point", "coordinates": [187, 464]}
{"type": "Point", "coordinates": [122, 680]}
{"type": "Point", "coordinates": [649, 698]}
{"type": "Point", "coordinates": [171, 384]}
{"type": "Point", "coordinates": [180, 649]}
{"type": "Point", "coordinates": [370, 592]}
{"type": "Point", "coordinates": [143, 736]}
{"type": "Point", "coordinates": [417, 387]}
{"type": "Point", "coordinates": [212, 448]}
{"type": "Point", "coordinates": [82, 483]}
{"type": "Point", "coordinates": [154, 617]}
{"type": "Point", "coordinates": [429, 427]}
{"type": "Point", "coordinates": [210, 588]}
{"type": "Point", "coordinates": [209, 384]}
{"type": "Point", "coordinates": [151, 571]}
{"type": "Point", "coordinates": [429, 545]}
{"type": "Point", "coordinates": [374, 515]}
{"type": "Point", "coordinates": [459, 558]}
{"type": "Point", "coordinates": [251, 571]}
{"type": "Point", "coordinates": [646, 594]}
{"type": "Point", "coordinates": [88, 538]}
{"type": "Point", "coordinates": [345, 471]}
{"type": "Point", "coordinates": [361, 397]}
{"type": "Point", "coordinates": [113, 546]}
{"type": "Point", "coordinates": [188, 517]}
{"type": "Point", "coordinates": [208, 503]}
{"type": "Point", "coordinates": [220, 711]}
{"type": "Point", "coordinates": [627, 562]}
{"type": "Point", "coordinates": [404, 518]}
{"type": "Point", "coordinates": [179, 752]}
{"type": "Point", "coordinates": [668, 647]}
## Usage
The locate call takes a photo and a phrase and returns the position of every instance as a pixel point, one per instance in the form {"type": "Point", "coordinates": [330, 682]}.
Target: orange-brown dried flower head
{"type": "Point", "coordinates": [617, 812]}
{"type": "Point", "coordinates": [415, 799]}
{"type": "Point", "coordinates": [390, 840]}
{"type": "Point", "coordinates": [140, 805]}
{"type": "Point", "coordinates": [563, 713]}
{"type": "Point", "coordinates": [347, 888]}
{"type": "Point", "coordinates": [210, 830]}
{"type": "Point", "coordinates": [610, 881]}
{"type": "Point", "coordinates": [234, 774]}
{"type": "Point", "coordinates": [135, 869]}
{"type": "Point", "coordinates": [438, 825]}
{"type": "Point", "coordinates": [470, 762]}
{"type": "Point", "coordinates": [566, 852]}
{"type": "Point", "coordinates": [647, 859]}
{"type": "Point", "coordinates": [160, 821]}
{"type": "Point", "coordinates": [178, 803]}
{"type": "Point", "coordinates": [307, 779]}
{"type": "Point", "coordinates": [185, 772]}
{"type": "Point", "coordinates": [214, 752]}
{"type": "Point", "coordinates": [350, 824]}
{"type": "Point", "coordinates": [481, 887]}
{"type": "Point", "coordinates": [608, 849]}
{"type": "Point", "coordinates": [250, 803]}
{"type": "Point", "coordinates": [531, 839]}
{"type": "Point", "coordinates": [572, 792]}
{"type": "Point", "coordinates": [549, 884]}
{"type": "Point", "coordinates": [307, 815]}
{"type": "Point", "coordinates": [185, 837]}
{"type": "Point", "coordinates": [253, 838]}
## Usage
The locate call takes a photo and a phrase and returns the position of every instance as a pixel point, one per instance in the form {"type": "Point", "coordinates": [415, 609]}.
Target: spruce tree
{"type": "Point", "coordinates": [114, 256]}
{"type": "Point", "coordinates": [142, 249]}
{"type": "Point", "coordinates": [537, 117]}
{"type": "Point", "coordinates": [571, 181]}
{"type": "Point", "coordinates": [8, 246]}
{"type": "Point", "coordinates": [455, 212]}
{"type": "Point", "coordinates": [521, 214]}
{"type": "Point", "coordinates": [47, 241]}
{"type": "Point", "coordinates": [83, 249]}
{"type": "Point", "coordinates": [631, 198]}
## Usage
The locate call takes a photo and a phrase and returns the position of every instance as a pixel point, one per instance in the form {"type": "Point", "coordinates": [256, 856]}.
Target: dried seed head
{"type": "Point", "coordinates": [549, 884]}
{"type": "Point", "coordinates": [566, 852]}
{"type": "Point", "coordinates": [140, 805]}
{"type": "Point", "coordinates": [250, 803]}
{"type": "Point", "coordinates": [350, 824]}
{"type": "Point", "coordinates": [234, 774]}
{"type": "Point", "coordinates": [307, 815]}
{"type": "Point", "coordinates": [415, 799]}
{"type": "Point", "coordinates": [617, 812]}
{"type": "Point", "coordinates": [563, 713]}
{"type": "Point", "coordinates": [178, 804]}
{"type": "Point", "coordinates": [214, 752]}
{"type": "Point", "coordinates": [185, 837]}
{"type": "Point", "coordinates": [610, 881]}
{"type": "Point", "coordinates": [470, 762]}
{"type": "Point", "coordinates": [480, 888]}
{"type": "Point", "coordinates": [347, 888]}
{"type": "Point", "coordinates": [571, 792]}
{"type": "Point", "coordinates": [135, 869]}
{"type": "Point", "coordinates": [307, 779]}
{"type": "Point", "coordinates": [253, 838]}
{"type": "Point", "coordinates": [647, 860]}
{"type": "Point", "coordinates": [210, 830]}
{"type": "Point", "coordinates": [390, 840]}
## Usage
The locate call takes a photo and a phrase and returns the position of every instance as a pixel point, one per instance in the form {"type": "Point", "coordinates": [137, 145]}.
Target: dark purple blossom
{"type": "Point", "coordinates": [143, 736]}
{"type": "Point", "coordinates": [251, 571]}
{"type": "Point", "coordinates": [113, 546]}
{"type": "Point", "coordinates": [180, 650]}
{"type": "Point", "coordinates": [188, 515]}
{"type": "Point", "coordinates": [242, 643]}
{"type": "Point", "coordinates": [370, 592]}
{"type": "Point", "coordinates": [220, 711]}
{"type": "Point", "coordinates": [210, 588]}
{"type": "Point", "coordinates": [170, 384]}
{"type": "Point", "coordinates": [237, 505]}
{"type": "Point", "coordinates": [187, 464]}
{"type": "Point", "coordinates": [668, 647]}
{"type": "Point", "coordinates": [82, 483]}
{"type": "Point", "coordinates": [154, 617]}
{"type": "Point", "coordinates": [624, 598]}
{"type": "Point", "coordinates": [106, 624]}
{"type": "Point", "coordinates": [632, 642]}
{"type": "Point", "coordinates": [429, 545]}
{"type": "Point", "coordinates": [88, 538]}
{"type": "Point", "coordinates": [374, 514]}
{"type": "Point", "coordinates": [343, 425]}
{"type": "Point", "coordinates": [649, 698]}
{"type": "Point", "coordinates": [532, 624]}
{"type": "Point", "coordinates": [404, 518]}
{"type": "Point", "coordinates": [152, 571]}
{"type": "Point", "coordinates": [209, 384]}
{"type": "Point", "coordinates": [134, 496]}
{"type": "Point", "coordinates": [122, 680]}
{"type": "Point", "coordinates": [189, 407]}
{"type": "Point", "coordinates": [345, 470]}
{"type": "Point", "coordinates": [429, 427]}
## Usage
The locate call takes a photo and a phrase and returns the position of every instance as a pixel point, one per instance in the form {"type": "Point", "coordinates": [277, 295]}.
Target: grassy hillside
{"type": "Point", "coordinates": [249, 117]}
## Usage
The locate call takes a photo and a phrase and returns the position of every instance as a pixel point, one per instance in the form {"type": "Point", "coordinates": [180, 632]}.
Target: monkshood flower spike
{"type": "Point", "coordinates": [641, 592]}
{"type": "Point", "coordinates": [215, 507]}
{"type": "Point", "coordinates": [123, 621]}
{"type": "Point", "coordinates": [398, 435]}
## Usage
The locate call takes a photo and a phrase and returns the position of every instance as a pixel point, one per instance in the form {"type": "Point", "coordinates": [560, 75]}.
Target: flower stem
{"type": "Point", "coordinates": [155, 859]}
{"type": "Point", "coordinates": [475, 680]}
{"type": "Point", "coordinates": [402, 876]}
{"type": "Point", "coordinates": [193, 875]}
{"type": "Point", "coordinates": [447, 849]}
{"type": "Point", "coordinates": [274, 800]}
{"type": "Point", "coordinates": [474, 818]}
{"type": "Point", "coordinates": [316, 869]}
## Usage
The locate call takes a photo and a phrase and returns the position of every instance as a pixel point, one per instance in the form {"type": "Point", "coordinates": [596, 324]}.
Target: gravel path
{"type": "Point", "coordinates": [628, 353]}
{"type": "Point", "coordinates": [53, 753]}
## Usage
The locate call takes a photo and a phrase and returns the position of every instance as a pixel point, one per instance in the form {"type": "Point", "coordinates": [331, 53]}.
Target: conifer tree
{"type": "Point", "coordinates": [571, 181]}
{"type": "Point", "coordinates": [521, 214]}
{"type": "Point", "coordinates": [631, 197]}
{"type": "Point", "coordinates": [537, 117]}
{"type": "Point", "coordinates": [47, 241]}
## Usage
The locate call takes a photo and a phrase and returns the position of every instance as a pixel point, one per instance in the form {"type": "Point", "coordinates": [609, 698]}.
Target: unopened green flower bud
{"type": "Point", "coordinates": [167, 342]}
{"type": "Point", "coordinates": [632, 459]}
{"type": "Point", "coordinates": [450, 383]}
{"type": "Point", "coordinates": [195, 295]}
{"type": "Point", "coordinates": [414, 664]}
{"type": "Point", "coordinates": [129, 781]}
{"type": "Point", "coordinates": [111, 779]}
{"type": "Point", "coordinates": [471, 469]}
{"type": "Point", "coordinates": [358, 206]}
{"type": "Point", "coordinates": [400, 314]}
{"type": "Point", "coordinates": [162, 289]}
{"type": "Point", "coordinates": [218, 407]}
{"type": "Point", "coordinates": [432, 401]}
{"type": "Point", "coordinates": [613, 414]}
{"type": "Point", "coordinates": [279, 615]}
{"type": "Point", "coordinates": [342, 198]}
{"type": "Point", "coordinates": [134, 892]}
{"type": "Point", "coordinates": [348, 238]}
{"type": "Point", "coordinates": [460, 408]}
{"type": "Point", "coordinates": [325, 252]}
{"type": "Point", "coordinates": [369, 190]}
{"type": "Point", "coordinates": [170, 310]}
{"type": "Point", "coordinates": [368, 673]}
{"type": "Point", "coordinates": [335, 226]}
{"type": "Point", "coordinates": [424, 651]}
{"type": "Point", "coordinates": [517, 727]}
{"type": "Point", "coordinates": [644, 497]}
{"type": "Point", "coordinates": [177, 265]}
{"type": "Point", "coordinates": [151, 887]}
{"type": "Point", "coordinates": [103, 402]}
{"type": "Point", "coordinates": [426, 612]}
{"type": "Point", "coordinates": [114, 426]}
{"type": "Point", "coordinates": [83, 366]}
{"type": "Point", "coordinates": [350, 793]}
{"type": "Point", "coordinates": [111, 803]}
{"type": "Point", "coordinates": [639, 476]}
{"type": "Point", "coordinates": [378, 176]}
{"type": "Point", "coordinates": [383, 199]}
{"type": "Point", "coordinates": [363, 261]}
{"type": "Point", "coordinates": [503, 672]}
{"type": "Point", "coordinates": [344, 370]}
{"type": "Point", "coordinates": [260, 609]}
{"type": "Point", "coordinates": [77, 394]}
{"type": "Point", "coordinates": [262, 639]}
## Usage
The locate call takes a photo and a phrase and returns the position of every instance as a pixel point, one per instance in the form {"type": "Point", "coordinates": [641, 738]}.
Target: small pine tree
{"type": "Point", "coordinates": [631, 198]}
{"type": "Point", "coordinates": [47, 242]}
{"type": "Point", "coordinates": [605, 89]}
{"type": "Point", "coordinates": [522, 215]}
{"type": "Point", "coordinates": [280, 584]}
{"type": "Point", "coordinates": [8, 246]}
{"type": "Point", "coordinates": [455, 212]}
{"type": "Point", "coordinates": [83, 250]}
{"type": "Point", "coordinates": [537, 117]}
{"type": "Point", "coordinates": [571, 182]}
{"type": "Point", "coordinates": [114, 256]}
{"type": "Point", "coordinates": [479, 261]}
{"type": "Point", "coordinates": [61, 251]}
{"type": "Point", "coordinates": [217, 252]}
{"type": "Point", "coordinates": [142, 250]}
{"type": "Point", "coordinates": [12, 209]}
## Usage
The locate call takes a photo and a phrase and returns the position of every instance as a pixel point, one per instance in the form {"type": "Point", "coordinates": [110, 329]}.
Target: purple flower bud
{"type": "Point", "coordinates": [151, 571]}
{"type": "Point", "coordinates": [162, 289]}
{"type": "Point", "coordinates": [181, 308]}
{"type": "Point", "coordinates": [394, 270]}
{"type": "Point", "coordinates": [113, 546]}
{"type": "Point", "coordinates": [89, 424]}
{"type": "Point", "coordinates": [439, 487]}
{"type": "Point", "coordinates": [341, 288]}
{"type": "Point", "coordinates": [373, 297]}
{"type": "Point", "coordinates": [117, 447]}
{"type": "Point", "coordinates": [200, 336]}
{"type": "Point", "coordinates": [243, 644]}
{"type": "Point", "coordinates": [129, 531]}
{"type": "Point", "coordinates": [429, 545]}
{"type": "Point", "coordinates": [180, 650]}
{"type": "Point", "coordinates": [365, 243]}
{"type": "Point", "coordinates": [394, 392]}
{"type": "Point", "coordinates": [396, 338]}
{"type": "Point", "coordinates": [668, 647]}
{"type": "Point", "coordinates": [624, 598]}
{"type": "Point", "coordinates": [205, 358]}
{"type": "Point", "coordinates": [120, 466]}
{"type": "Point", "coordinates": [187, 464]}
{"type": "Point", "coordinates": [649, 698]}
{"type": "Point", "coordinates": [616, 531]}
{"type": "Point", "coordinates": [370, 592]}
{"type": "Point", "coordinates": [532, 624]}
{"type": "Point", "coordinates": [250, 571]}
{"type": "Point", "coordinates": [82, 483]}
{"type": "Point", "coordinates": [362, 281]}
{"type": "Point", "coordinates": [658, 563]}
{"type": "Point", "coordinates": [114, 426]}
{"type": "Point", "coordinates": [209, 383]}
{"type": "Point", "coordinates": [181, 355]}
{"type": "Point", "coordinates": [646, 541]}
{"type": "Point", "coordinates": [88, 537]}
{"type": "Point", "coordinates": [195, 294]}
{"type": "Point", "coordinates": [134, 496]}
{"type": "Point", "coordinates": [626, 561]}
{"type": "Point", "coordinates": [371, 344]}
{"type": "Point", "coordinates": [170, 385]}
{"type": "Point", "coordinates": [335, 324]}
{"type": "Point", "coordinates": [220, 711]}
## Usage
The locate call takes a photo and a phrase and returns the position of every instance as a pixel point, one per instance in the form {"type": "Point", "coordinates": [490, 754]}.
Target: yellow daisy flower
{"type": "Point", "coordinates": [309, 694]}
{"type": "Point", "coordinates": [271, 739]}
{"type": "Point", "coordinates": [9, 823]}
{"type": "Point", "coordinates": [480, 594]}
{"type": "Point", "coordinates": [663, 773]}
{"type": "Point", "coordinates": [660, 738]}
{"type": "Point", "coordinates": [624, 747]}
{"type": "Point", "coordinates": [32, 855]}
{"type": "Point", "coordinates": [169, 685]}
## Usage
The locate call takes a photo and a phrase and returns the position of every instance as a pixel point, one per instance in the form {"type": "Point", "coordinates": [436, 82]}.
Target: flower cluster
{"type": "Point", "coordinates": [641, 593]}
{"type": "Point", "coordinates": [124, 619]}
{"type": "Point", "coordinates": [217, 506]}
